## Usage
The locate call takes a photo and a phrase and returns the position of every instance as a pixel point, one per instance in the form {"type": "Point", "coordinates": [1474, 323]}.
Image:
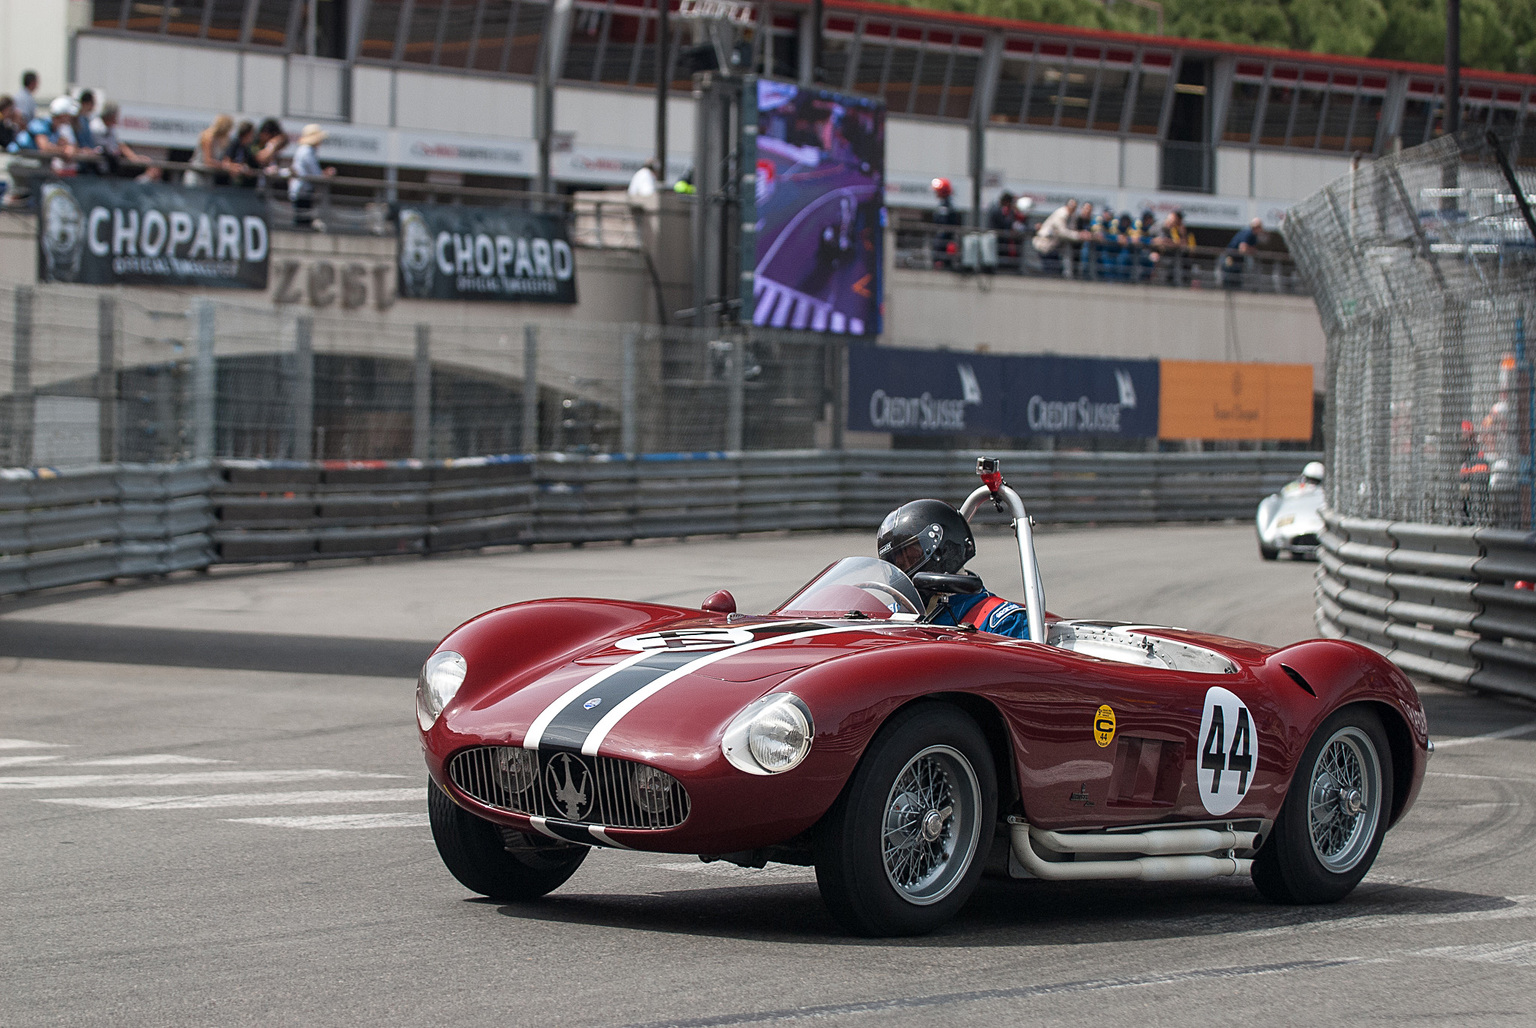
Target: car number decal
{"type": "Point", "coordinates": [1228, 751]}
{"type": "Point", "coordinates": [686, 639]}
{"type": "Point", "coordinates": [1104, 726]}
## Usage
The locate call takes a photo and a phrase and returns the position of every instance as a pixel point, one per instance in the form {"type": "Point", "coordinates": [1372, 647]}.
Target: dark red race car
{"type": "Point", "coordinates": [843, 732]}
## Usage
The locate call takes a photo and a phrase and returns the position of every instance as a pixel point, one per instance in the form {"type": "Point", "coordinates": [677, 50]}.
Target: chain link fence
{"type": "Point", "coordinates": [1424, 271]}
{"type": "Point", "coordinates": [95, 375]}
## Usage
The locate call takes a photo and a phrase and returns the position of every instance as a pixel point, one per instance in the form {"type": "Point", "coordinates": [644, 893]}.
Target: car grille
{"type": "Point", "coordinates": [1306, 539]}
{"type": "Point", "coordinates": [571, 787]}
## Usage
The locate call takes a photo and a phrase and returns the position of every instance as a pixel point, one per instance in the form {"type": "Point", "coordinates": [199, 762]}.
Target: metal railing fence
{"type": "Point", "coordinates": [926, 246]}
{"type": "Point", "coordinates": [1454, 604]}
{"type": "Point", "coordinates": [113, 521]}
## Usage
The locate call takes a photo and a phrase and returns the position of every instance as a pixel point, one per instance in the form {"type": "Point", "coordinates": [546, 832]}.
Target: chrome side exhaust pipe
{"type": "Point", "coordinates": [1165, 855]}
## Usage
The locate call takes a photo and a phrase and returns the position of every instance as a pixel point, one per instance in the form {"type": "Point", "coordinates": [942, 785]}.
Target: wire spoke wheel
{"type": "Point", "coordinates": [930, 828]}
{"type": "Point", "coordinates": [1344, 799]}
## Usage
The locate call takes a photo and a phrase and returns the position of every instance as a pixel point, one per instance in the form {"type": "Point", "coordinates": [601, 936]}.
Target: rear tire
{"type": "Point", "coordinates": [1334, 816]}
{"type": "Point", "coordinates": [904, 846]}
{"type": "Point", "coordinates": [503, 864]}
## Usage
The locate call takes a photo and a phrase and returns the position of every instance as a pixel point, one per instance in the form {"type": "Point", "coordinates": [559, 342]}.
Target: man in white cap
{"type": "Point", "coordinates": [306, 168]}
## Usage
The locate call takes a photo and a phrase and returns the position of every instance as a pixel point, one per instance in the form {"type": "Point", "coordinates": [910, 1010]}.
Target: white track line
{"type": "Point", "coordinates": [176, 778]}
{"type": "Point", "coordinates": [144, 760]}
{"type": "Point", "coordinates": [1506, 733]}
{"type": "Point", "coordinates": [1517, 954]}
{"type": "Point", "coordinates": [242, 799]}
{"type": "Point", "coordinates": [333, 822]}
{"type": "Point", "coordinates": [35, 758]}
{"type": "Point", "coordinates": [27, 744]}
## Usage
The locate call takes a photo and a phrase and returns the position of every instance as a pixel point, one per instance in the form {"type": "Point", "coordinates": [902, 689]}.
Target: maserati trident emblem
{"type": "Point", "coordinates": [569, 785]}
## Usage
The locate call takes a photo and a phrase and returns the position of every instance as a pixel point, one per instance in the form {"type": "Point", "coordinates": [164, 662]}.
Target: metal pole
{"type": "Point", "coordinates": [106, 376]}
{"type": "Point", "coordinates": [1452, 66]}
{"type": "Point", "coordinates": [735, 400]}
{"type": "Point", "coordinates": [421, 417]}
{"type": "Point", "coordinates": [203, 380]}
{"type": "Point", "coordinates": [816, 22]}
{"type": "Point", "coordinates": [838, 357]}
{"type": "Point", "coordinates": [303, 388]}
{"type": "Point", "coordinates": [530, 389]}
{"type": "Point", "coordinates": [21, 380]}
{"type": "Point", "coordinates": [663, 48]}
{"type": "Point", "coordinates": [628, 427]}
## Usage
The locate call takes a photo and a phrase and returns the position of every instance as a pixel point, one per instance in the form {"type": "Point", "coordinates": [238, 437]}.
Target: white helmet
{"type": "Point", "coordinates": [1313, 472]}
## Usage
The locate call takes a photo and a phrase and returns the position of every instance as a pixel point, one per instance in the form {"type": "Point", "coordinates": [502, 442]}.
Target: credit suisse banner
{"type": "Point", "coordinates": [472, 253]}
{"type": "Point", "coordinates": [935, 392]}
{"type": "Point", "coordinates": [101, 231]}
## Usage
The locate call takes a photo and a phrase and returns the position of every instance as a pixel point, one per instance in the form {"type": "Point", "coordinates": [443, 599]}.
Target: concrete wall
{"type": "Point", "coordinates": [1010, 314]}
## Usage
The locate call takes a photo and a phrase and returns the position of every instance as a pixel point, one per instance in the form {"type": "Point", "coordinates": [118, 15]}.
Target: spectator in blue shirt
{"type": "Point", "coordinates": [1235, 260]}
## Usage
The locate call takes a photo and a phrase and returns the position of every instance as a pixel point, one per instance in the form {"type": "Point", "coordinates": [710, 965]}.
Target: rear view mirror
{"type": "Point", "coordinates": [720, 601]}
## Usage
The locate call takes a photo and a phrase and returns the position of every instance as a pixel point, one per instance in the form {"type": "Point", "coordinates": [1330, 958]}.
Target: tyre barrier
{"type": "Point", "coordinates": [110, 521]}
{"type": "Point", "coordinates": [1448, 603]}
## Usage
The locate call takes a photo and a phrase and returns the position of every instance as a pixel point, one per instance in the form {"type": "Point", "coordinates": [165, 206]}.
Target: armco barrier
{"type": "Point", "coordinates": [270, 511]}
{"type": "Point", "coordinates": [1453, 604]}
{"type": "Point", "coordinates": [105, 522]}
{"type": "Point", "coordinates": [123, 520]}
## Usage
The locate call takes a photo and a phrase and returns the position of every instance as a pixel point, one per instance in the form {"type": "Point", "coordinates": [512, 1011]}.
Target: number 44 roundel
{"type": "Point", "coordinates": [1229, 751]}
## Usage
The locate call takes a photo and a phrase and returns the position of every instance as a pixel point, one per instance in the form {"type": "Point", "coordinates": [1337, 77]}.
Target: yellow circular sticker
{"type": "Point", "coordinates": [1104, 726]}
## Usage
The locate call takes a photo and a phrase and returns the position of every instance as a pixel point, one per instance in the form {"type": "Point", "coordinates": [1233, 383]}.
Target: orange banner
{"type": "Point", "coordinates": [1222, 400]}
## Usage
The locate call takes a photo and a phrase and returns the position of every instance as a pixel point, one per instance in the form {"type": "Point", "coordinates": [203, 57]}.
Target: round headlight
{"type": "Point", "coordinates": [439, 680]}
{"type": "Point", "coordinates": [770, 736]}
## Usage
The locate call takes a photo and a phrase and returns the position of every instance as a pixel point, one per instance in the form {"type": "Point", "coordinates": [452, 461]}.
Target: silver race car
{"type": "Point", "coordinates": [1290, 520]}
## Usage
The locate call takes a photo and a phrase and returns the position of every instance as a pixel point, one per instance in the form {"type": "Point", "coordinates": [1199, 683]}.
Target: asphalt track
{"type": "Point", "coordinates": [211, 813]}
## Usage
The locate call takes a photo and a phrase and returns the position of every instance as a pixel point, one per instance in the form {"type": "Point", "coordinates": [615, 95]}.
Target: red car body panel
{"type": "Point", "coordinates": [522, 659]}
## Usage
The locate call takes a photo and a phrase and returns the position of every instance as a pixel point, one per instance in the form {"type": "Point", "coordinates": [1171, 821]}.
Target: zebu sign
{"type": "Point", "coordinates": [469, 253]}
{"type": "Point", "coordinates": [99, 231]}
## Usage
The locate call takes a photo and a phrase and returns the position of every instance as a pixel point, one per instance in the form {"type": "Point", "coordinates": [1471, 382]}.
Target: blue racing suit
{"type": "Point", "coordinates": [987, 612]}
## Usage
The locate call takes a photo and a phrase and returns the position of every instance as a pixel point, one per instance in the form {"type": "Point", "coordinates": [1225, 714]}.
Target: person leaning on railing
{"type": "Point", "coordinates": [1172, 246]}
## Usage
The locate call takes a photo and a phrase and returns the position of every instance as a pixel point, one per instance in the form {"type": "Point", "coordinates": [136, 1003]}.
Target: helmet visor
{"type": "Point", "coordinates": [912, 553]}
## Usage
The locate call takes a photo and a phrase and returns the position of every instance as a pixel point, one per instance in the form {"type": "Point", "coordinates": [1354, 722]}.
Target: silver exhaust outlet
{"type": "Point", "coordinates": [1159, 855]}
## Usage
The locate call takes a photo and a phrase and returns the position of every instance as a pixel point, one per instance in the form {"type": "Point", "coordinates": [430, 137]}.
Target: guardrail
{"type": "Point", "coordinates": [125, 520]}
{"type": "Point", "coordinates": [1454, 604]}
{"type": "Point", "coordinates": [100, 523]}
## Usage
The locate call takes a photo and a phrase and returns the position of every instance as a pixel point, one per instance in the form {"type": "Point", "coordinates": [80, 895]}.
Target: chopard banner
{"type": "Point", "coordinates": [938, 392]}
{"type": "Point", "coordinates": [100, 231]}
{"type": "Point", "coordinates": [470, 253]}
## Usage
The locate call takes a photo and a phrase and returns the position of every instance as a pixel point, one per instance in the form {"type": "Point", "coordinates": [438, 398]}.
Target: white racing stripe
{"type": "Point", "coordinates": [27, 744]}
{"type": "Point", "coordinates": [1505, 733]}
{"type": "Point", "coordinates": [242, 799]}
{"type": "Point", "coordinates": [334, 822]}
{"type": "Point", "coordinates": [605, 725]}
{"type": "Point", "coordinates": [175, 778]}
{"type": "Point", "coordinates": [536, 730]}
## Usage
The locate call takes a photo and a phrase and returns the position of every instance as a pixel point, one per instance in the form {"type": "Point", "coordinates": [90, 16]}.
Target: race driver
{"type": "Point", "coordinates": [931, 535]}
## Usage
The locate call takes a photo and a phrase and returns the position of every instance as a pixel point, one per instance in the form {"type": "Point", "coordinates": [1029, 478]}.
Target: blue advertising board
{"type": "Point", "coordinates": [938, 392]}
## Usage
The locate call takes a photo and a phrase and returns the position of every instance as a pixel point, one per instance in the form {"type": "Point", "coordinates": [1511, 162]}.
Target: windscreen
{"type": "Point", "coordinates": [867, 585]}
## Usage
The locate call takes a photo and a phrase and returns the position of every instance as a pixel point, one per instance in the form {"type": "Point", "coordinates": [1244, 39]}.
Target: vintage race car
{"type": "Point", "coordinates": [844, 732]}
{"type": "Point", "coordinates": [1292, 519]}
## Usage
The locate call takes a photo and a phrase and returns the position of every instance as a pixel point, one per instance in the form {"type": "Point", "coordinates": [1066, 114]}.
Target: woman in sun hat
{"type": "Point", "coordinates": [306, 168]}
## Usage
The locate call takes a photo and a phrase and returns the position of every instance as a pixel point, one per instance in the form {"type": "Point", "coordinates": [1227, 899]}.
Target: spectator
{"type": "Point", "coordinates": [208, 164]}
{"type": "Point", "coordinates": [946, 246]}
{"type": "Point", "coordinates": [120, 159]}
{"type": "Point", "coordinates": [306, 168]}
{"type": "Point", "coordinates": [8, 126]}
{"type": "Point", "coordinates": [83, 135]}
{"type": "Point", "coordinates": [644, 182]}
{"type": "Point", "coordinates": [242, 154]}
{"type": "Point", "coordinates": [1173, 244]}
{"type": "Point", "coordinates": [1142, 257]}
{"type": "Point", "coordinates": [1083, 224]}
{"type": "Point", "coordinates": [1055, 230]}
{"type": "Point", "coordinates": [1234, 262]}
{"type": "Point", "coordinates": [1001, 215]}
{"type": "Point", "coordinates": [26, 100]}
{"type": "Point", "coordinates": [271, 140]}
{"type": "Point", "coordinates": [49, 134]}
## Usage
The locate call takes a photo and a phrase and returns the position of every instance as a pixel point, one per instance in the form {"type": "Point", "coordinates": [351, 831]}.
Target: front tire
{"type": "Point", "coordinates": [502, 864]}
{"type": "Point", "coordinates": [904, 846]}
{"type": "Point", "coordinates": [1268, 552]}
{"type": "Point", "coordinates": [1334, 817]}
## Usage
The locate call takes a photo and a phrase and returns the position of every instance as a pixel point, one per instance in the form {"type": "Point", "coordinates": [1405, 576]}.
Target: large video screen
{"type": "Point", "coordinates": [820, 190]}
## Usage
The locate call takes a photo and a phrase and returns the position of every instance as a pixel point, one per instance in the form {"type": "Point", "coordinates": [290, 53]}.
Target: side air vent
{"type": "Point", "coordinates": [1296, 677]}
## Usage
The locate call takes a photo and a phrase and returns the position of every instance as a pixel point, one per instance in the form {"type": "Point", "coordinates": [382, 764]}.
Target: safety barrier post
{"type": "Point", "coordinates": [303, 387]}
{"type": "Point", "coordinates": [421, 416]}
{"type": "Point", "coordinates": [204, 380]}
{"type": "Point", "coordinates": [627, 426]}
{"type": "Point", "coordinates": [735, 401]}
{"type": "Point", "coordinates": [106, 377]}
{"type": "Point", "coordinates": [21, 380]}
{"type": "Point", "coordinates": [530, 389]}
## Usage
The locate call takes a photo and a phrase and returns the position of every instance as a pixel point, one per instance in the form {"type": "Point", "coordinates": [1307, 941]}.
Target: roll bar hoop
{"type": "Point", "coordinates": [1009, 502]}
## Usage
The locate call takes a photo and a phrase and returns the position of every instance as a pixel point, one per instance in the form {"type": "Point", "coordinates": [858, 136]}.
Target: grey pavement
{"type": "Point", "coordinates": [212, 806]}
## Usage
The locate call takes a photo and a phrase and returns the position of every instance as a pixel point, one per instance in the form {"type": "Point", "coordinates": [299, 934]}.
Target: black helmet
{"type": "Point", "coordinates": [925, 535]}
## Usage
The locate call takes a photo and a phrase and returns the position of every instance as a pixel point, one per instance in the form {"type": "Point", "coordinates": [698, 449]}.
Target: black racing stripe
{"type": "Point", "coordinates": [571, 726]}
{"type": "Point", "coordinates": [572, 832]}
